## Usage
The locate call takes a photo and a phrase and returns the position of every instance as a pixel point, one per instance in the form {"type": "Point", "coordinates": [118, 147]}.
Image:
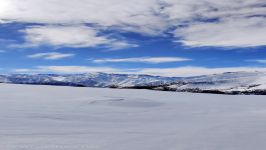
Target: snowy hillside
{"type": "Point", "coordinates": [230, 83]}
{"type": "Point", "coordinates": [226, 83]}
{"type": "Point", "coordinates": [89, 80]}
{"type": "Point", "coordinates": [68, 118]}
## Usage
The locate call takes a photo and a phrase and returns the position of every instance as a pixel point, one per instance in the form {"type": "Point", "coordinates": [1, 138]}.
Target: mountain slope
{"type": "Point", "coordinates": [226, 83]}
{"type": "Point", "coordinates": [89, 80]}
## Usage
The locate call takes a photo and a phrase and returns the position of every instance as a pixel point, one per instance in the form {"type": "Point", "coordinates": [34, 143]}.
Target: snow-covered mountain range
{"type": "Point", "coordinates": [226, 83]}
{"type": "Point", "coordinates": [89, 79]}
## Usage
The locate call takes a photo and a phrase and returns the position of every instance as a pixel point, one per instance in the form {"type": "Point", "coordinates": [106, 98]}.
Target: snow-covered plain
{"type": "Point", "coordinates": [71, 118]}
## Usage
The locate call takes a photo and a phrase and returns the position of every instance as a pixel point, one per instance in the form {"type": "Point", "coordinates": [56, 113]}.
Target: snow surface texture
{"type": "Point", "coordinates": [68, 118]}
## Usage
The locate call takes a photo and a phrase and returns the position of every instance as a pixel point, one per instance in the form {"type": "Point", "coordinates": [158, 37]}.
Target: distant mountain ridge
{"type": "Point", "coordinates": [225, 83]}
{"type": "Point", "coordinates": [88, 80]}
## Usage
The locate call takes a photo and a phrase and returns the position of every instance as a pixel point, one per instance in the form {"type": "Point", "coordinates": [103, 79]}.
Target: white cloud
{"type": "Point", "coordinates": [169, 72]}
{"type": "Point", "coordinates": [225, 23]}
{"type": "Point", "coordinates": [2, 51]}
{"type": "Point", "coordinates": [152, 60]}
{"type": "Point", "coordinates": [226, 33]}
{"type": "Point", "coordinates": [261, 61]}
{"type": "Point", "coordinates": [51, 56]}
{"type": "Point", "coordinates": [24, 70]}
{"type": "Point", "coordinates": [135, 15]}
{"type": "Point", "coordinates": [65, 69]}
{"type": "Point", "coordinates": [70, 36]}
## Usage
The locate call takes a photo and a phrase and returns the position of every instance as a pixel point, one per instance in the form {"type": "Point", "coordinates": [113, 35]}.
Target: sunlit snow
{"type": "Point", "coordinates": [72, 118]}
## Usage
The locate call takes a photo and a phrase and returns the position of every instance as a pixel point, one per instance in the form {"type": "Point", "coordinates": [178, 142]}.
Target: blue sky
{"type": "Point", "coordinates": [159, 37]}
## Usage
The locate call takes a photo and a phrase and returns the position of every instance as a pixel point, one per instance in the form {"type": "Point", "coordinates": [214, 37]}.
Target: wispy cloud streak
{"type": "Point", "coordinates": [51, 56]}
{"type": "Point", "coordinates": [152, 60]}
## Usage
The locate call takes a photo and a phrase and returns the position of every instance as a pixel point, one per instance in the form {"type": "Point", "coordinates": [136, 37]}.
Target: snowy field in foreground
{"type": "Point", "coordinates": [68, 118]}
